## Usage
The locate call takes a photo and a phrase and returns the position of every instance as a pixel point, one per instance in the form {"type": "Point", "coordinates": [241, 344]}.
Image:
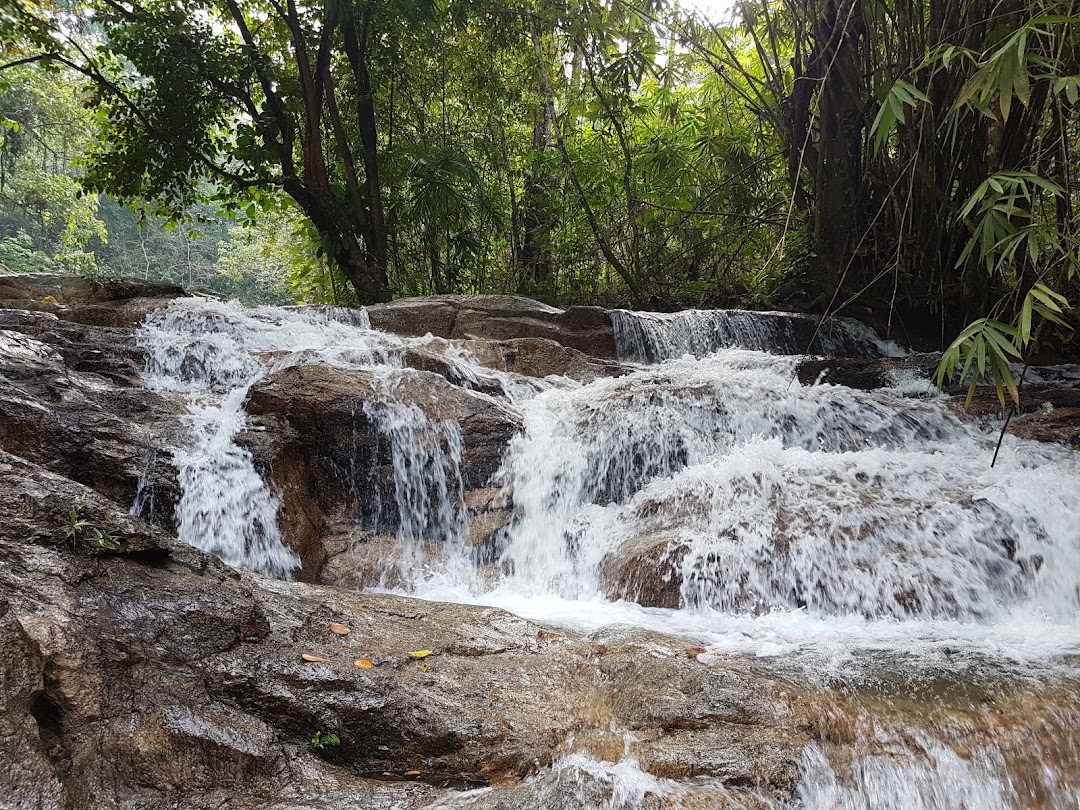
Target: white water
{"type": "Point", "coordinates": [578, 780]}
{"type": "Point", "coordinates": [651, 337]}
{"type": "Point", "coordinates": [209, 354]}
{"type": "Point", "coordinates": [835, 532]}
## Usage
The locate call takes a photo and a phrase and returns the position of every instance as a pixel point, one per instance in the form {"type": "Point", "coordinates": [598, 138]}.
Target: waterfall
{"type": "Point", "coordinates": [201, 353]}
{"type": "Point", "coordinates": [858, 541]}
{"type": "Point", "coordinates": [783, 496]}
{"type": "Point", "coordinates": [209, 354]}
{"type": "Point", "coordinates": [428, 490]}
{"type": "Point", "coordinates": [652, 337]}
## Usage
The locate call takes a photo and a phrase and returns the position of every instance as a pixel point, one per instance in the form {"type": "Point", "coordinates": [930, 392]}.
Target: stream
{"type": "Point", "coordinates": [856, 544]}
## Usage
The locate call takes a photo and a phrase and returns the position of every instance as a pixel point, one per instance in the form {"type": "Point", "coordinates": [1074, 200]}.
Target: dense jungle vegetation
{"type": "Point", "coordinates": [911, 158]}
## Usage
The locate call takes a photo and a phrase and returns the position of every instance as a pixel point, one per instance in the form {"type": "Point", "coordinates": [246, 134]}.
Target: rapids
{"type": "Point", "coordinates": [859, 542]}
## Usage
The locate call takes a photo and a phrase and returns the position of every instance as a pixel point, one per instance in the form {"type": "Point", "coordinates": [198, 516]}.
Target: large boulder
{"type": "Point", "coordinates": [71, 401]}
{"type": "Point", "coordinates": [501, 317]}
{"type": "Point", "coordinates": [1049, 412]}
{"type": "Point", "coordinates": [70, 394]}
{"type": "Point", "coordinates": [336, 442]}
{"type": "Point", "coordinates": [839, 543]}
{"type": "Point", "coordinates": [868, 374]}
{"type": "Point", "coordinates": [534, 358]}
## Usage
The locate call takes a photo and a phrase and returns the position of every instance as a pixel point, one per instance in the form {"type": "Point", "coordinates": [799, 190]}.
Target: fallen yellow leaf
{"type": "Point", "coordinates": [420, 653]}
{"type": "Point", "coordinates": [48, 299]}
{"type": "Point", "coordinates": [424, 668]}
{"type": "Point", "coordinates": [412, 773]}
{"type": "Point", "coordinates": [694, 652]}
{"type": "Point", "coordinates": [363, 663]}
{"type": "Point", "coordinates": [315, 659]}
{"type": "Point", "coordinates": [340, 629]}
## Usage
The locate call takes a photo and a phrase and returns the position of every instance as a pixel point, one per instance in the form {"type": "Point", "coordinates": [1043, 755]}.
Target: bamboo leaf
{"type": "Point", "coordinates": [1025, 319]}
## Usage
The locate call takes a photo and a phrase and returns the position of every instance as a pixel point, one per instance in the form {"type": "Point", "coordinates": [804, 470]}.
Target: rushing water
{"type": "Point", "coordinates": [855, 539]}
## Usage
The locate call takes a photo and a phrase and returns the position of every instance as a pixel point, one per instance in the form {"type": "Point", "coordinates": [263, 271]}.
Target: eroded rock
{"type": "Point", "coordinates": [152, 676]}
{"type": "Point", "coordinates": [70, 400]}
{"type": "Point", "coordinates": [327, 438]}
{"type": "Point", "coordinates": [500, 317]}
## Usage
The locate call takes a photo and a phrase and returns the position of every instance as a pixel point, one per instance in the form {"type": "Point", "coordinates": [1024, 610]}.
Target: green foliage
{"type": "Point", "coordinates": [345, 152]}
{"type": "Point", "coordinates": [988, 349]}
{"type": "Point", "coordinates": [902, 94]}
{"type": "Point", "coordinates": [1008, 227]}
{"type": "Point", "coordinates": [17, 253]}
{"type": "Point", "coordinates": [321, 741]}
{"type": "Point", "coordinates": [78, 528]}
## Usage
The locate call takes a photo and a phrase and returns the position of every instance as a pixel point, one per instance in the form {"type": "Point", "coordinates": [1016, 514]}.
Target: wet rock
{"type": "Point", "coordinates": [688, 552]}
{"type": "Point", "coordinates": [70, 400]}
{"type": "Point", "coordinates": [1048, 413]}
{"type": "Point", "coordinates": [71, 290]}
{"type": "Point", "coordinates": [327, 437]}
{"type": "Point", "coordinates": [112, 302]}
{"type": "Point", "coordinates": [103, 684]}
{"type": "Point", "coordinates": [647, 570]}
{"type": "Point", "coordinates": [166, 680]}
{"type": "Point", "coordinates": [501, 317]}
{"type": "Point", "coordinates": [519, 363]}
{"type": "Point", "coordinates": [1060, 425]}
{"type": "Point", "coordinates": [651, 337]}
{"type": "Point", "coordinates": [868, 374]}
{"type": "Point", "coordinates": [540, 357]}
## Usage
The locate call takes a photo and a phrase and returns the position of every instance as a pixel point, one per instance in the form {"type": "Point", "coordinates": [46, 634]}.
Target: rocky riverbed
{"type": "Point", "coordinates": [139, 671]}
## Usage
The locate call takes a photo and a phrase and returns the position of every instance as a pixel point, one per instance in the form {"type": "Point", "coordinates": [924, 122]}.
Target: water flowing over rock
{"type": "Point", "coordinates": [394, 455]}
{"type": "Point", "coordinates": [152, 676]}
{"type": "Point", "coordinates": [651, 337]}
{"type": "Point", "coordinates": [711, 573]}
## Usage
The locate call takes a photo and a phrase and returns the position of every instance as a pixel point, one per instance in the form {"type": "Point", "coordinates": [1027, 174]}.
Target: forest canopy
{"type": "Point", "coordinates": [910, 158]}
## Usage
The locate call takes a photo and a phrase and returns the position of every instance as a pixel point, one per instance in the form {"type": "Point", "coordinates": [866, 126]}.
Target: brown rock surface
{"type": "Point", "coordinates": [866, 375]}
{"type": "Point", "coordinates": [71, 401]}
{"type": "Point", "coordinates": [154, 677]}
{"type": "Point", "coordinates": [501, 317]}
{"type": "Point", "coordinates": [112, 302]}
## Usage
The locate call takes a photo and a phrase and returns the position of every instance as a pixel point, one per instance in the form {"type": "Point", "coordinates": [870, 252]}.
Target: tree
{"type": "Point", "coordinates": [43, 130]}
{"type": "Point", "coordinates": [253, 97]}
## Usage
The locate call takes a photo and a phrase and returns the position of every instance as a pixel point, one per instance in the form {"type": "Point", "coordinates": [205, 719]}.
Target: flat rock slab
{"type": "Point", "coordinates": [499, 317]}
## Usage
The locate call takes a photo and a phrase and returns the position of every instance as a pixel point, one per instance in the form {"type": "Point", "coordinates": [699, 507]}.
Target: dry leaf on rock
{"type": "Point", "coordinates": [363, 663]}
{"type": "Point", "coordinates": [420, 653]}
{"type": "Point", "coordinates": [340, 629]}
{"type": "Point", "coordinates": [315, 659]}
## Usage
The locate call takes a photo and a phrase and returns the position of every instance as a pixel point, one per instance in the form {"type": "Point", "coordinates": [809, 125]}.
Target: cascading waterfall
{"type": "Point", "coordinates": [841, 534]}
{"type": "Point", "coordinates": [210, 353]}
{"type": "Point", "coordinates": [652, 337]}
{"type": "Point", "coordinates": [428, 490]}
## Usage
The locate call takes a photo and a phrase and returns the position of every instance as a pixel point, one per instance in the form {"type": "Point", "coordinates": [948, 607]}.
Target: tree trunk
{"type": "Point", "coordinates": [536, 242]}
{"type": "Point", "coordinates": [838, 176]}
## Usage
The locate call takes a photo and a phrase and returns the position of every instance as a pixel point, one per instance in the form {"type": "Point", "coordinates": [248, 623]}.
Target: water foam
{"type": "Point", "coordinates": [209, 353]}
{"type": "Point", "coordinates": [839, 534]}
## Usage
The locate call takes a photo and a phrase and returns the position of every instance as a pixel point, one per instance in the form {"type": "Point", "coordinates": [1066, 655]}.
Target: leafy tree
{"type": "Point", "coordinates": [254, 97]}
{"type": "Point", "coordinates": [43, 130]}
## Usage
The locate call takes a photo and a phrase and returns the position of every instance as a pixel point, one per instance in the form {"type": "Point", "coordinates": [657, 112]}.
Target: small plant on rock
{"type": "Point", "coordinates": [77, 527]}
{"type": "Point", "coordinates": [320, 742]}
